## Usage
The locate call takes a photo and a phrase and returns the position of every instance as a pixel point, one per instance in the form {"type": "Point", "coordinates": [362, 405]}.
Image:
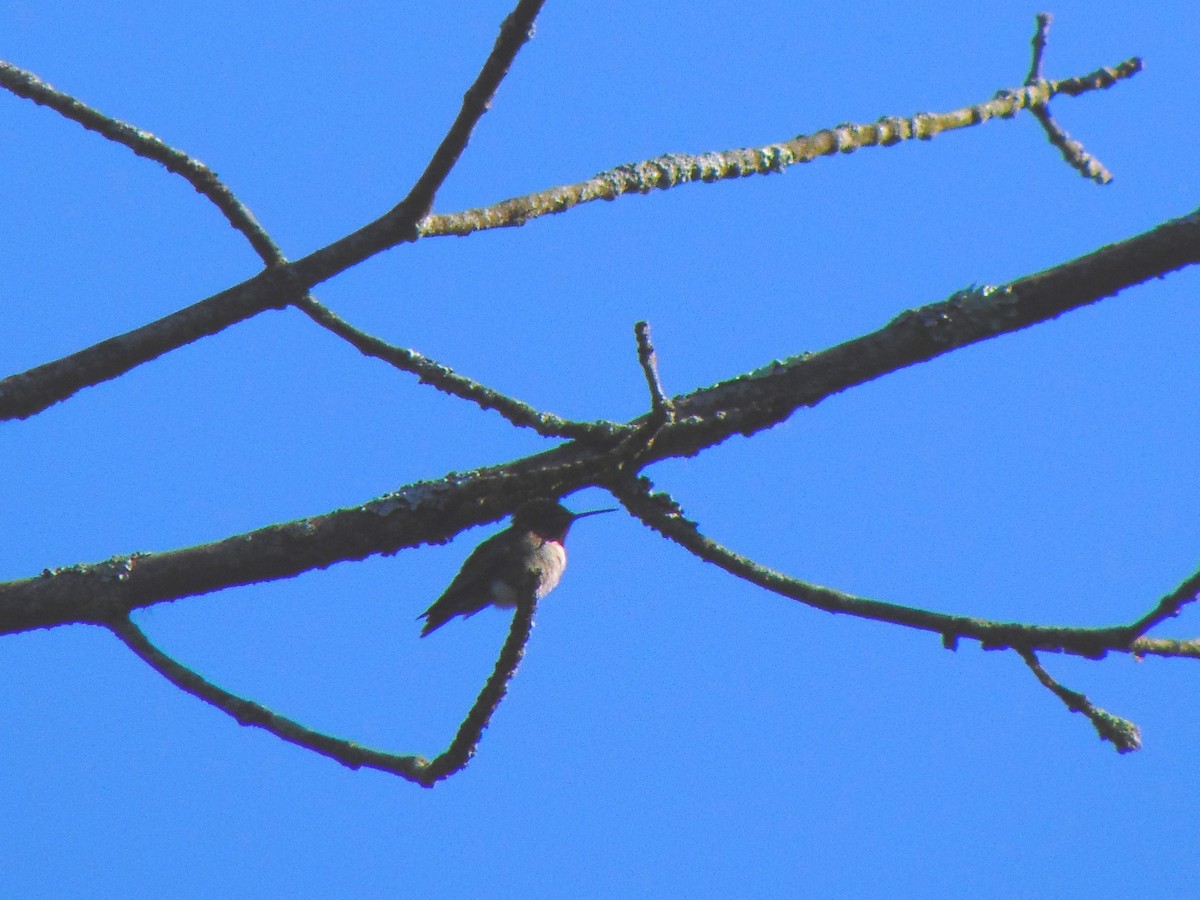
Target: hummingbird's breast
{"type": "Point", "coordinates": [551, 559]}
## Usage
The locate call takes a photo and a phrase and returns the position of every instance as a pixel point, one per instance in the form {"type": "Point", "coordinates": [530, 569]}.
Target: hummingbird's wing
{"type": "Point", "coordinates": [470, 591]}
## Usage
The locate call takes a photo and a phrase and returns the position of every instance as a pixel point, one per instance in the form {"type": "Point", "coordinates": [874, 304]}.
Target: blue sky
{"type": "Point", "coordinates": [672, 731]}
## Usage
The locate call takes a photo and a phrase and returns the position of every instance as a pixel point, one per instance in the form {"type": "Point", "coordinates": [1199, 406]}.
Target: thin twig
{"type": "Point", "coordinates": [663, 408]}
{"type": "Point", "coordinates": [1121, 733]}
{"type": "Point", "coordinates": [631, 453]}
{"type": "Point", "coordinates": [447, 380]}
{"type": "Point", "coordinates": [144, 144]}
{"type": "Point", "coordinates": [1039, 47]}
{"type": "Point", "coordinates": [660, 512]}
{"type": "Point", "coordinates": [465, 742]}
{"type": "Point", "coordinates": [1072, 151]}
{"type": "Point", "coordinates": [515, 30]}
{"type": "Point", "coordinates": [246, 712]}
{"type": "Point", "coordinates": [674, 170]}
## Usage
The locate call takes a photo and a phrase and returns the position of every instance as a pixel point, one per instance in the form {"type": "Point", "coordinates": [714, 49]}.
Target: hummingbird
{"type": "Point", "coordinates": [527, 555]}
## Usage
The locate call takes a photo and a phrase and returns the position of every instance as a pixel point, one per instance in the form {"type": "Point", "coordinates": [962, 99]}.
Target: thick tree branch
{"type": "Point", "coordinates": [763, 398]}
{"type": "Point", "coordinates": [434, 511]}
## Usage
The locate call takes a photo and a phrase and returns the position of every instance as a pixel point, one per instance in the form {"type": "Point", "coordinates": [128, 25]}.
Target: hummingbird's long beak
{"type": "Point", "coordinates": [593, 512]}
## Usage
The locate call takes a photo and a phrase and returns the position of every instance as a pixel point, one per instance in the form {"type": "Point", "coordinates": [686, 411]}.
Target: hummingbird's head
{"type": "Point", "coordinates": [549, 518]}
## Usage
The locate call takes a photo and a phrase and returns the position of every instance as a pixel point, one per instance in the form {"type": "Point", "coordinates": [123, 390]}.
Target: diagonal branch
{"type": "Point", "coordinates": [765, 397]}
{"type": "Point", "coordinates": [1169, 606]}
{"type": "Point", "coordinates": [1121, 733]}
{"type": "Point", "coordinates": [246, 712]}
{"type": "Point", "coordinates": [465, 742]}
{"type": "Point", "coordinates": [515, 30]}
{"type": "Point", "coordinates": [448, 381]}
{"type": "Point", "coordinates": [144, 144]}
{"type": "Point", "coordinates": [676, 169]}
{"type": "Point", "coordinates": [28, 393]}
{"type": "Point", "coordinates": [660, 512]}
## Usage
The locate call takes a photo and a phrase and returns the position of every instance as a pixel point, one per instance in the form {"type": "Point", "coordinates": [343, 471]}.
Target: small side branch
{"type": "Point", "coordinates": [1039, 47]}
{"type": "Point", "coordinates": [662, 408]}
{"type": "Point", "coordinates": [1072, 151]}
{"type": "Point", "coordinates": [143, 143]}
{"type": "Point", "coordinates": [515, 30]}
{"type": "Point", "coordinates": [465, 742]}
{"type": "Point", "coordinates": [661, 513]}
{"type": "Point", "coordinates": [1121, 733]}
{"type": "Point", "coordinates": [246, 712]}
{"type": "Point", "coordinates": [630, 454]}
{"type": "Point", "coordinates": [1169, 606]}
{"type": "Point", "coordinates": [448, 381]}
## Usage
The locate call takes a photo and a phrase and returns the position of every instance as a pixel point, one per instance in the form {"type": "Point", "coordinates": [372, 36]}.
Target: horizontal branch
{"type": "Point", "coordinates": [676, 169]}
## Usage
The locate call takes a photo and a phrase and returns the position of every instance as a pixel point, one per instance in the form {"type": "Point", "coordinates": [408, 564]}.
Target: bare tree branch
{"type": "Point", "coordinates": [465, 742]}
{"type": "Point", "coordinates": [433, 511]}
{"type": "Point", "coordinates": [28, 393]}
{"type": "Point", "coordinates": [515, 30]}
{"type": "Point", "coordinates": [1072, 151]}
{"type": "Point", "coordinates": [1040, 38]}
{"type": "Point", "coordinates": [662, 408]}
{"type": "Point", "coordinates": [1121, 733]}
{"type": "Point", "coordinates": [1169, 606]}
{"type": "Point", "coordinates": [247, 712]}
{"type": "Point", "coordinates": [144, 144]}
{"type": "Point", "coordinates": [447, 380]}
{"type": "Point", "coordinates": [660, 512]}
{"type": "Point", "coordinates": [676, 169]}
{"type": "Point", "coordinates": [600, 453]}
{"type": "Point", "coordinates": [413, 768]}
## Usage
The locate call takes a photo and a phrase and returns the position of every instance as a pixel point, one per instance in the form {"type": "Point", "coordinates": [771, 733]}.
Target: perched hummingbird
{"type": "Point", "coordinates": [527, 555]}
